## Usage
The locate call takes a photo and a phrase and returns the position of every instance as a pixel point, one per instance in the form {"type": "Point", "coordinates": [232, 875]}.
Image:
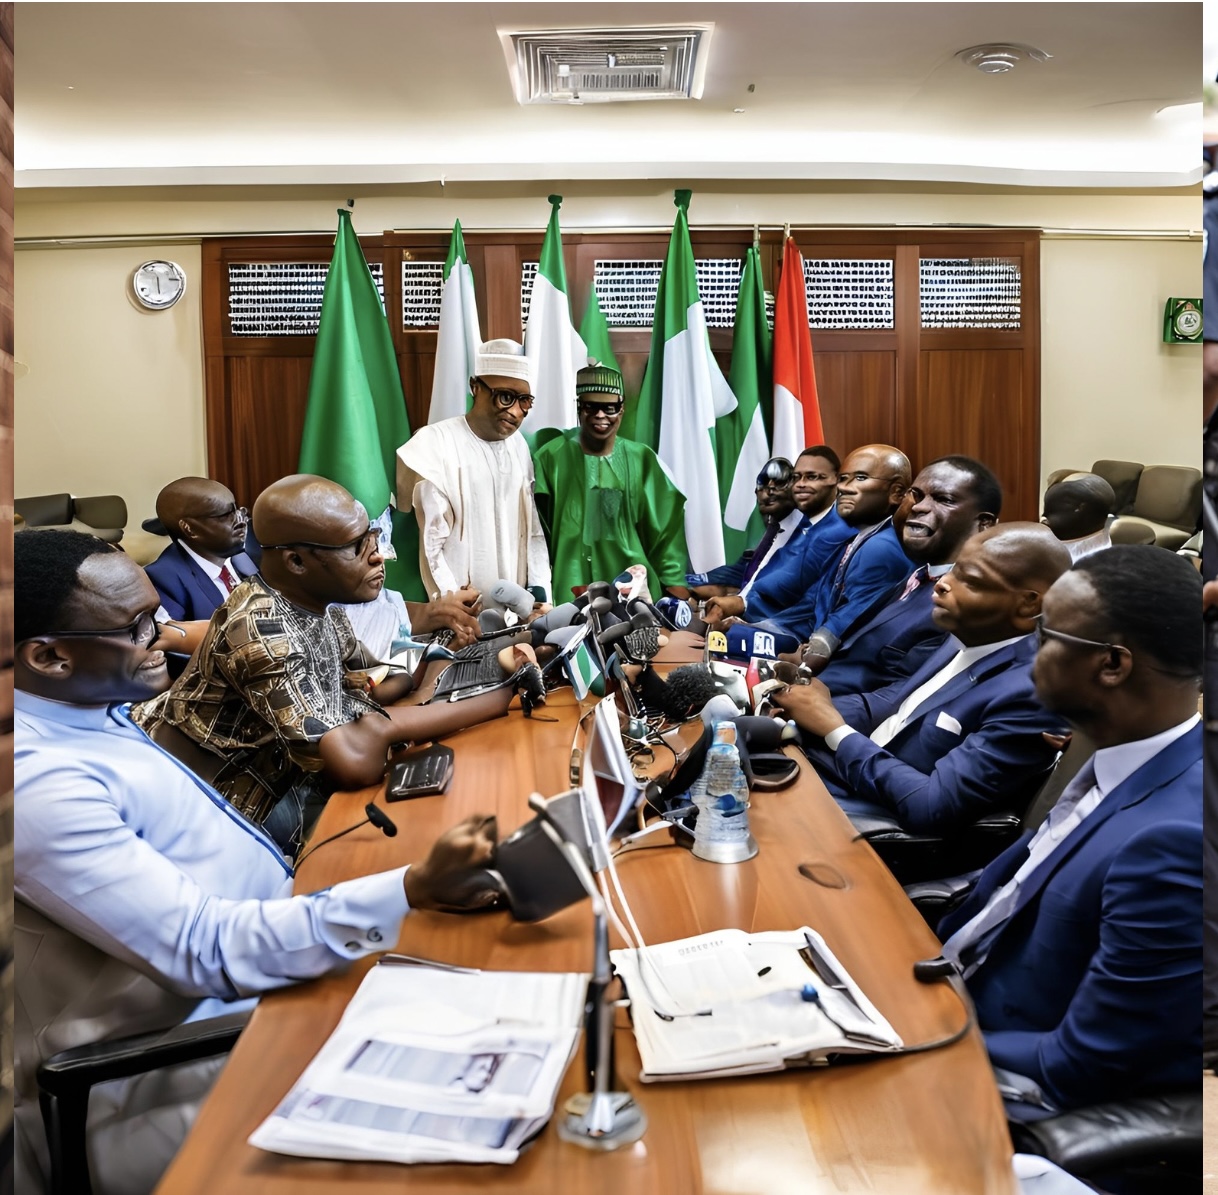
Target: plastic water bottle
{"type": "Point", "coordinates": [722, 797]}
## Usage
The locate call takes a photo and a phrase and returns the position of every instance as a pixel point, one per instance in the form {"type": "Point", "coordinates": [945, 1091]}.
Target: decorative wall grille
{"type": "Point", "coordinates": [849, 292]}
{"type": "Point", "coordinates": [281, 298]}
{"type": "Point", "coordinates": [528, 272]}
{"type": "Point", "coordinates": [626, 290]}
{"type": "Point", "coordinates": [422, 289]}
{"type": "Point", "coordinates": [969, 292]}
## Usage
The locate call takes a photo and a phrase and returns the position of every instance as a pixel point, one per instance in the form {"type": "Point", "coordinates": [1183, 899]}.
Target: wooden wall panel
{"type": "Point", "coordinates": [266, 408]}
{"type": "Point", "coordinates": [972, 397]}
{"type": "Point", "coordinates": [858, 398]}
{"type": "Point", "coordinates": [929, 391]}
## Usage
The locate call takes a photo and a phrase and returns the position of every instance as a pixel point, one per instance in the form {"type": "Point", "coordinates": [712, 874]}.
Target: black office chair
{"type": "Point", "coordinates": [66, 1080]}
{"type": "Point", "coordinates": [935, 897]}
{"type": "Point", "coordinates": [1149, 1145]}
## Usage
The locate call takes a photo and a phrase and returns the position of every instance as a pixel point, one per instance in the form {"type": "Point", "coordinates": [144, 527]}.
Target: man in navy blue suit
{"type": "Point", "coordinates": [1081, 944]}
{"type": "Point", "coordinates": [951, 499]}
{"type": "Point", "coordinates": [782, 581]}
{"type": "Point", "coordinates": [838, 517]}
{"type": "Point", "coordinates": [963, 736]}
{"type": "Point", "coordinates": [206, 560]}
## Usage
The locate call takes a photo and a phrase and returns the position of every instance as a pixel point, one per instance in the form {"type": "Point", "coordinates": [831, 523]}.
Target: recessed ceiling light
{"type": "Point", "coordinates": [1000, 57]}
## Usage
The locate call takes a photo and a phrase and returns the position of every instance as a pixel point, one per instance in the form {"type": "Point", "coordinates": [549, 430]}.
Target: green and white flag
{"type": "Point", "coordinates": [684, 392]}
{"type": "Point", "coordinates": [555, 350]}
{"type": "Point", "coordinates": [585, 673]}
{"type": "Point", "coordinates": [741, 443]}
{"type": "Point", "coordinates": [595, 332]}
{"type": "Point", "coordinates": [459, 335]}
{"type": "Point", "coordinates": [355, 419]}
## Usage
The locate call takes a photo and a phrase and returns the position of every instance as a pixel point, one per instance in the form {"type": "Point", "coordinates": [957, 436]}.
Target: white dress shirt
{"type": "Point", "coordinates": [786, 528]}
{"type": "Point", "coordinates": [888, 730]}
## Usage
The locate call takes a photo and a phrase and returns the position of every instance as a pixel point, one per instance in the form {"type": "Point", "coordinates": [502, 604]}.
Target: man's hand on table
{"type": "Point", "coordinates": [454, 877]}
{"type": "Point", "coordinates": [719, 609]}
{"type": "Point", "coordinates": [811, 706]}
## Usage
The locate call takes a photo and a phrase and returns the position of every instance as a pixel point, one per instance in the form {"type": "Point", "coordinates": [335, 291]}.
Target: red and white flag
{"type": "Point", "coordinates": [796, 409]}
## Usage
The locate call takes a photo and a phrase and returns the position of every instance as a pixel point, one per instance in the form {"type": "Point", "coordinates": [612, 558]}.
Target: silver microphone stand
{"type": "Point", "coordinates": [601, 1119]}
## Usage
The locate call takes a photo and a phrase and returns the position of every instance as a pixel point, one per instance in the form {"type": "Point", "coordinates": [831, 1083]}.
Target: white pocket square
{"type": "Point", "coordinates": [946, 722]}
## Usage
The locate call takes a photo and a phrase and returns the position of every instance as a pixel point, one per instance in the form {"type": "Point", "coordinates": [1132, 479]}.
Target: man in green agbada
{"type": "Point", "coordinates": [606, 502]}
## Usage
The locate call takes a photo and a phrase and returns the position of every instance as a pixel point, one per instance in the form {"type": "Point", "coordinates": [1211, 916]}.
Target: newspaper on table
{"type": "Point", "coordinates": [734, 1003]}
{"type": "Point", "coordinates": [434, 1065]}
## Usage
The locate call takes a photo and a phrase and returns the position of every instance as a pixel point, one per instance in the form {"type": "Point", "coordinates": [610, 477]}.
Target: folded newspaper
{"type": "Point", "coordinates": [737, 1003]}
{"type": "Point", "coordinates": [434, 1065]}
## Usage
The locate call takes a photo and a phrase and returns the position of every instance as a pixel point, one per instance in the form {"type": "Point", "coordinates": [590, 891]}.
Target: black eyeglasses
{"type": "Point", "coordinates": [354, 549]}
{"type": "Point", "coordinates": [776, 486]}
{"type": "Point", "coordinates": [234, 514]}
{"type": "Point", "coordinates": [1043, 632]}
{"type": "Point", "coordinates": [506, 399]}
{"type": "Point", "coordinates": [144, 631]}
{"type": "Point", "coordinates": [608, 408]}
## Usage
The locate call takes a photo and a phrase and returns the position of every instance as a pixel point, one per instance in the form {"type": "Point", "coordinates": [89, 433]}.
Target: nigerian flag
{"type": "Point", "coordinates": [684, 392]}
{"type": "Point", "coordinates": [356, 414]}
{"type": "Point", "coordinates": [595, 333]}
{"type": "Point", "coordinates": [458, 338]}
{"type": "Point", "coordinates": [554, 348]}
{"type": "Point", "coordinates": [741, 444]}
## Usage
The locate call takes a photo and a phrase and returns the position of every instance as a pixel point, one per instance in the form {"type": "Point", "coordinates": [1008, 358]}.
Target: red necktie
{"type": "Point", "coordinates": [227, 579]}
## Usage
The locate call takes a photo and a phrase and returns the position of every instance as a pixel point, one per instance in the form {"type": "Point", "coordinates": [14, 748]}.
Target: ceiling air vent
{"type": "Point", "coordinates": [604, 66]}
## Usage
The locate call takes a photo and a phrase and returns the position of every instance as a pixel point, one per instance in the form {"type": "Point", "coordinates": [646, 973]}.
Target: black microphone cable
{"type": "Point", "coordinates": [377, 817]}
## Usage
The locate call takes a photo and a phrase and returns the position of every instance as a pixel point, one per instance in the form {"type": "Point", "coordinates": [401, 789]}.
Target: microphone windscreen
{"type": "Point", "coordinates": [561, 636]}
{"type": "Point", "coordinates": [674, 613]}
{"type": "Point", "coordinates": [491, 620]}
{"type": "Point", "coordinates": [597, 589]}
{"type": "Point", "coordinates": [514, 597]}
{"type": "Point", "coordinates": [600, 605]}
{"type": "Point", "coordinates": [560, 616]}
{"type": "Point", "coordinates": [382, 821]}
{"type": "Point", "coordinates": [689, 688]}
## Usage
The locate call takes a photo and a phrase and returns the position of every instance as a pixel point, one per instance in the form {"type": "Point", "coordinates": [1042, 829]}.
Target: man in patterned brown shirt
{"type": "Point", "coordinates": [275, 708]}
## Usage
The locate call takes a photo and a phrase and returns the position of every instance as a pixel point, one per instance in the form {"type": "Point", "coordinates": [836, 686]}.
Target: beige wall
{"type": "Point", "coordinates": [122, 411]}
{"type": "Point", "coordinates": [113, 398]}
{"type": "Point", "coordinates": [1110, 388]}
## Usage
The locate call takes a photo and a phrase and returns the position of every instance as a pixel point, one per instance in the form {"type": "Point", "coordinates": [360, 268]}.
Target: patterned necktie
{"type": "Point", "coordinates": [759, 553]}
{"type": "Point", "coordinates": [227, 579]}
{"type": "Point", "coordinates": [919, 577]}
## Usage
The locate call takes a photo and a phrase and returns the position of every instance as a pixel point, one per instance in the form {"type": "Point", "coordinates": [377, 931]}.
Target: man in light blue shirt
{"type": "Point", "coordinates": [168, 896]}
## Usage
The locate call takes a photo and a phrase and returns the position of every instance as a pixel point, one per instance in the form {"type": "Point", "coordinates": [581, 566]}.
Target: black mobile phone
{"type": "Point", "coordinates": [423, 775]}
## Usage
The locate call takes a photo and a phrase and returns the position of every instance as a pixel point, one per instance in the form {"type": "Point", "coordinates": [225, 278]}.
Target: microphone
{"type": "Point", "coordinates": [514, 597]}
{"type": "Point", "coordinates": [745, 642]}
{"type": "Point", "coordinates": [378, 817]}
{"type": "Point", "coordinates": [381, 820]}
{"type": "Point", "coordinates": [560, 616]}
{"type": "Point", "coordinates": [560, 636]}
{"type": "Point", "coordinates": [674, 613]}
{"type": "Point", "coordinates": [490, 620]}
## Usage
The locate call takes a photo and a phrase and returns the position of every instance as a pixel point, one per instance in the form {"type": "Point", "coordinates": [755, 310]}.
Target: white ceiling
{"type": "Point", "coordinates": [152, 94]}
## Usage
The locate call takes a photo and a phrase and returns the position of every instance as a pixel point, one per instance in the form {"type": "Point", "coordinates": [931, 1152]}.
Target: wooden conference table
{"type": "Point", "coordinates": [928, 1124]}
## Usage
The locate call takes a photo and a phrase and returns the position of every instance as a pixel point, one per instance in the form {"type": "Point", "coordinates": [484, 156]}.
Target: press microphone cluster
{"type": "Point", "coordinates": [377, 817]}
{"type": "Point", "coordinates": [513, 597]}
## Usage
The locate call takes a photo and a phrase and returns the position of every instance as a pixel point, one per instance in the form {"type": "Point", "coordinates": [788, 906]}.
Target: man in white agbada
{"type": "Point", "coordinates": [470, 482]}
